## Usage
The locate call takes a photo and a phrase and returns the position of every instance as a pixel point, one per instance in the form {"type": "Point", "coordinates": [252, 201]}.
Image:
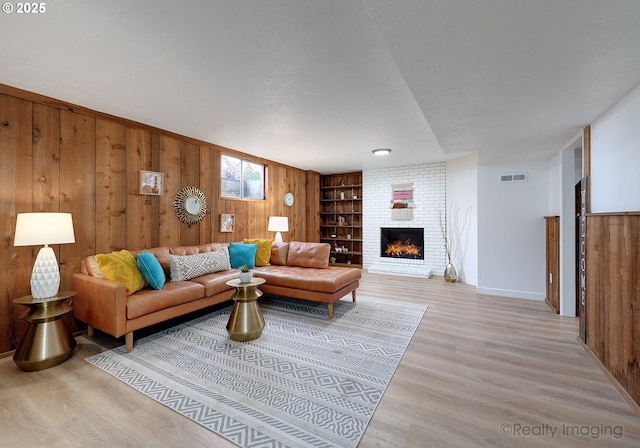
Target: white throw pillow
{"type": "Point", "coordinates": [185, 267]}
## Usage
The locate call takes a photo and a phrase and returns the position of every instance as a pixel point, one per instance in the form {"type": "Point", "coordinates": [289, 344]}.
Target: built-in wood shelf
{"type": "Point", "coordinates": [341, 217]}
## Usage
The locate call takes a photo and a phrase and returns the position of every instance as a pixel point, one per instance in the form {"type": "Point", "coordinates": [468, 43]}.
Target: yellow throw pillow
{"type": "Point", "coordinates": [263, 253]}
{"type": "Point", "coordinates": [121, 267]}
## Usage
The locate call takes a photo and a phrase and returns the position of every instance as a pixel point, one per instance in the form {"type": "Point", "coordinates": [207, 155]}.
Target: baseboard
{"type": "Point", "coordinates": [511, 293]}
{"type": "Point", "coordinates": [635, 407]}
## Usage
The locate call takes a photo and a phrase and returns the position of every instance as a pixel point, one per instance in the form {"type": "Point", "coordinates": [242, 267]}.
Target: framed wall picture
{"type": "Point", "coordinates": [227, 222]}
{"type": "Point", "coordinates": [151, 183]}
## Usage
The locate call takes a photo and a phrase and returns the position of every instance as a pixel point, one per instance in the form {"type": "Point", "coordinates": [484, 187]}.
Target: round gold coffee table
{"type": "Point", "coordinates": [47, 341]}
{"type": "Point", "coordinates": [246, 322]}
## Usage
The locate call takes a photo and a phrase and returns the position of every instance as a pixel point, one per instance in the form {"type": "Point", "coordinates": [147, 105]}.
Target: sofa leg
{"type": "Point", "coordinates": [330, 307]}
{"type": "Point", "coordinates": [128, 340]}
{"type": "Point", "coordinates": [353, 295]}
{"type": "Point", "coordinates": [89, 330]}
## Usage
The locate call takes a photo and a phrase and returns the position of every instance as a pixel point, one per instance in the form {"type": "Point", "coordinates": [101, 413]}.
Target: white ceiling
{"type": "Point", "coordinates": [319, 84]}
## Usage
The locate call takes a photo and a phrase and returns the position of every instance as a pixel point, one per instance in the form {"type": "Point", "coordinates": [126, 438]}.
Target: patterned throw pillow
{"type": "Point", "coordinates": [185, 267]}
{"type": "Point", "coordinates": [263, 252]}
{"type": "Point", "coordinates": [121, 267]}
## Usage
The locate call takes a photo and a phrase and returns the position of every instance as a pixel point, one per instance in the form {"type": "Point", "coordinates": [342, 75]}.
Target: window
{"type": "Point", "coordinates": [241, 178]}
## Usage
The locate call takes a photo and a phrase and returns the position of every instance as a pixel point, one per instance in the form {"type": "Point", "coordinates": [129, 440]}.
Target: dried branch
{"type": "Point", "coordinates": [451, 231]}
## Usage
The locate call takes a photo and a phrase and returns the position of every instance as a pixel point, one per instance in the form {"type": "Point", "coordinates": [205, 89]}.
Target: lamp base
{"type": "Point", "coordinates": [278, 238]}
{"type": "Point", "coordinates": [45, 277]}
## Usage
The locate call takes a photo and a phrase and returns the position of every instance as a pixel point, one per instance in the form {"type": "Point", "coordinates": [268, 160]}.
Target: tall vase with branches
{"type": "Point", "coordinates": [452, 234]}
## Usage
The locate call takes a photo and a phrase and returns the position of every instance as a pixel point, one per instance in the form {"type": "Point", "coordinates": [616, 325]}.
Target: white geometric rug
{"type": "Point", "coordinates": [306, 382]}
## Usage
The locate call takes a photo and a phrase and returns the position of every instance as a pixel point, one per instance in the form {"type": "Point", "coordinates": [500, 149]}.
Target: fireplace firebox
{"type": "Point", "coordinates": [402, 242]}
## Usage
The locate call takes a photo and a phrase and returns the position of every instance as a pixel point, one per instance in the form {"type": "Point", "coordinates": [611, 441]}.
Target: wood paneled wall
{"type": "Point", "coordinates": [613, 295]}
{"type": "Point", "coordinates": [55, 156]}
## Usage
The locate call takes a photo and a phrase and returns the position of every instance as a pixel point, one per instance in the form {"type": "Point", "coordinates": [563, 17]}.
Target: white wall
{"type": "Point", "coordinates": [615, 157]}
{"type": "Point", "coordinates": [462, 191]}
{"type": "Point", "coordinates": [555, 185]}
{"type": "Point", "coordinates": [429, 189]}
{"type": "Point", "coordinates": [511, 230]}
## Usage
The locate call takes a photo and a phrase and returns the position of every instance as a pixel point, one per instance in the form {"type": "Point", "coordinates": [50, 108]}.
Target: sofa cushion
{"type": "Point", "coordinates": [308, 255]}
{"type": "Point", "coordinates": [279, 252]}
{"type": "Point", "coordinates": [192, 250]}
{"type": "Point", "coordinates": [151, 269]}
{"type": "Point", "coordinates": [242, 255]}
{"type": "Point", "coordinates": [217, 282]}
{"type": "Point", "coordinates": [148, 300]}
{"type": "Point", "coordinates": [327, 280]}
{"type": "Point", "coordinates": [121, 267]}
{"type": "Point", "coordinates": [263, 252]}
{"type": "Point", "coordinates": [189, 266]}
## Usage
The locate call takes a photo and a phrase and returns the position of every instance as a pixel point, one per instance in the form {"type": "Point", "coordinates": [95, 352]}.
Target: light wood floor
{"type": "Point", "coordinates": [478, 367]}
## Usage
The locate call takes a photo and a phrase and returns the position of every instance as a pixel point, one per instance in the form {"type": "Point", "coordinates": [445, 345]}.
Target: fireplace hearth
{"type": "Point", "coordinates": [402, 242]}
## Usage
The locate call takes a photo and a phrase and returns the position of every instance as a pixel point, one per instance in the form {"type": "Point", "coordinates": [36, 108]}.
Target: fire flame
{"type": "Point", "coordinates": [399, 249]}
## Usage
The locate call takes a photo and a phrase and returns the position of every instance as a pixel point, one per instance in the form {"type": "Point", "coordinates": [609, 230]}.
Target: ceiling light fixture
{"type": "Point", "coordinates": [381, 152]}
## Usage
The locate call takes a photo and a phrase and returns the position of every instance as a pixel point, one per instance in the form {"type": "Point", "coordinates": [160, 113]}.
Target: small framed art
{"type": "Point", "coordinates": [151, 182]}
{"type": "Point", "coordinates": [227, 222]}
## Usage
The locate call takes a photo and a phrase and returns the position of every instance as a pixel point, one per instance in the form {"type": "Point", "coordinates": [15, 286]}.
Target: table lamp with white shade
{"type": "Point", "coordinates": [44, 228]}
{"type": "Point", "coordinates": [278, 224]}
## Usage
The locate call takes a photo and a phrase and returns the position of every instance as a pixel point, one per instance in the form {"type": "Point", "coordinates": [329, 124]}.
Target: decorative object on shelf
{"type": "Point", "coordinates": [333, 235]}
{"type": "Point", "coordinates": [348, 236]}
{"type": "Point", "coordinates": [328, 195]}
{"type": "Point", "coordinates": [245, 274]}
{"type": "Point", "coordinates": [402, 201]}
{"type": "Point", "coordinates": [342, 195]}
{"type": "Point", "coordinates": [227, 222]}
{"type": "Point", "coordinates": [278, 224]}
{"type": "Point", "coordinates": [288, 199]}
{"type": "Point", "coordinates": [34, 229]}
{"type": "Point", "coordinates": [342, 221]}
{"type": "Point", "coordinates": [452, 234]}
{"type": "Point", "coordinates": [151, 182]}
{"type": "Point", "coordinates": [355, 196]}
{"type": "Point", "coordinates": [190, 205]}
{"type": "Point", "coordinates": [332, 260]}
{"type": "Point", "coordinates": [342, 183]}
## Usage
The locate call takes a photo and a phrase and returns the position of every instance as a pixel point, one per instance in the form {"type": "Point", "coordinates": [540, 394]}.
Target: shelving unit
{"type": "Point", "coordinates": [341, 217]}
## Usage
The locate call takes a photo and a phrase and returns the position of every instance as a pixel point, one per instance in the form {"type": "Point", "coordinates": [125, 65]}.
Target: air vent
{"type": "Point", "coordinates": [511, 178]}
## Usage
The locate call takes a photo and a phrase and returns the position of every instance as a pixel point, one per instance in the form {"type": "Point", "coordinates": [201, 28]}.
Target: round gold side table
{"type": "Point", "coordinates": [47, 341]}
{"type": "Point", "coordinates": [246, 322]}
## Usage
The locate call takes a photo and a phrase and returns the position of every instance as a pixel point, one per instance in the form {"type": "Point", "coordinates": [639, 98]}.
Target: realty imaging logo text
{"type": "Point", "coordinates": [551, 431]}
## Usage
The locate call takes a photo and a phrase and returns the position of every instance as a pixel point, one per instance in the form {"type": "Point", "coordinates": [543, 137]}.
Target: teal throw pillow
{"type": "Point", "coordinates": [242, 254]}
{"type": "Point", "coordinates": [151, 269]}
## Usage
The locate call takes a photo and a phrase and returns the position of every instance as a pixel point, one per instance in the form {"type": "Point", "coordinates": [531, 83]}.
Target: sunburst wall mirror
{"type": "Point", "coordinates": [190, 205]}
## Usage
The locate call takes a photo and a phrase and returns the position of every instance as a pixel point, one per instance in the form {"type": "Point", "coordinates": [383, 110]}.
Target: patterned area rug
{"type": "Point", "coordinates": [306, 382]}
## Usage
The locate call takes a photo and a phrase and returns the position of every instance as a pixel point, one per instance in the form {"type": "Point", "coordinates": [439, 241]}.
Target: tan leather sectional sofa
{"type": "Point", "coordinates": [298, 269]}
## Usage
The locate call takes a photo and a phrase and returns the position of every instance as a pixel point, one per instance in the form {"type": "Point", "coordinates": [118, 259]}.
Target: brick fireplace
{"type": "Point", "coordinates": [429, 194]}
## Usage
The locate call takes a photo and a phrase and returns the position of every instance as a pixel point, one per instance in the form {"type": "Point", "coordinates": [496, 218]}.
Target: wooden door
{"type": "Point", "coordinates": [553, 262]}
